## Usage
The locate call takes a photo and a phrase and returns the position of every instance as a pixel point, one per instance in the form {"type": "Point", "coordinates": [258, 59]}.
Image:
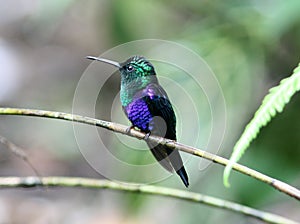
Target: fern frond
{"type": "Point", "coordinates": [272, 104]}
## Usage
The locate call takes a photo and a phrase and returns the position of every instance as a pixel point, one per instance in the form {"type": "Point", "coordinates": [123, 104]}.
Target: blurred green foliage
{"type": "Point", "coordinates": [250, 45]}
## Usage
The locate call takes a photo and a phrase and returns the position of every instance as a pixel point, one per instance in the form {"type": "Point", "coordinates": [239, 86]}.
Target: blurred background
{"type": "Point", "coordinates": [250, 46]}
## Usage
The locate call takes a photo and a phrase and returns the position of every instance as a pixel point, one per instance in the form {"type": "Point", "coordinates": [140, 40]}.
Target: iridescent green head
{"type": "Point", "coordinates": [135, 67]}
{"type": "Point", "coordinates": [136, 73]}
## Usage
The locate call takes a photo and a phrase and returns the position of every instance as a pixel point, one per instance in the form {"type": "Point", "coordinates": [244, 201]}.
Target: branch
{"type": "Point", "coordinates": [279, 185]}
{"type": "Point", "coordinates": [30, 182]}
{"type": "Point", "coordinates": [19, 152]}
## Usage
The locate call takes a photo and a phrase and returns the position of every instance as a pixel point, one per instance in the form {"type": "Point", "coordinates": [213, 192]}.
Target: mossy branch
{"type": "Point", "coordinates": [279, 185]}
{"type": "Point", "coordinates": [30, 182]}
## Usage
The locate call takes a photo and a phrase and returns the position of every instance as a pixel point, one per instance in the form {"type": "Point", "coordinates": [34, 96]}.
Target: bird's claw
{"type": "Point", "coordinates": [147, 136]}
{"type": "Point", "coordinates": [171, 142]}
{"type": "Point", "coordinates": [129, 129]}
{"type": "Point", "coordinates": [132, 127]}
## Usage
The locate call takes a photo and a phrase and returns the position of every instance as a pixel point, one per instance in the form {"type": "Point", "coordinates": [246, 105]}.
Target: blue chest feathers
{"type": "Point", "coordinates": [139, 114]}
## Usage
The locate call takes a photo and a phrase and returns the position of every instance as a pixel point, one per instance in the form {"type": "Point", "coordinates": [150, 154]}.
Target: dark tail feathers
{"type": "Point", "coordinates": [170, 160]}
{"type": "Point", "coordinates": [183, 175]}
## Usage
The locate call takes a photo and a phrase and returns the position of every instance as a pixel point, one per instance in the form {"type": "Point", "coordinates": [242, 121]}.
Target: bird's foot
{"type": "Point", "coordinates": [171, 142]}
{"type": "Point", "coordinates": [147, 136]}
{"type": "Point", "coordinates": [133, 127]}
{"type": "Point", "coordinates": [129, 129]}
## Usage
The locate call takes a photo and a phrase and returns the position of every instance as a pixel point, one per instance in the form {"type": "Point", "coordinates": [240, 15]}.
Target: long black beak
{"type": "Point", "coordinates": [114, 63]}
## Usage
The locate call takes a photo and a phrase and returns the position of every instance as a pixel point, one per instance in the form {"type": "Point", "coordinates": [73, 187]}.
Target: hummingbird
{"type": "Point", "coordinates": [147, 106]}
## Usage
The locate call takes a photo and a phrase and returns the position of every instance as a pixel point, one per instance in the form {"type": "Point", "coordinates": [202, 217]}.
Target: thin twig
{"type": "Point", "coordinates": [30, 182]}
{"type": "Point", "coordinates": [279, 185]}
{"type": "Point", "coordinates": [19, 152]}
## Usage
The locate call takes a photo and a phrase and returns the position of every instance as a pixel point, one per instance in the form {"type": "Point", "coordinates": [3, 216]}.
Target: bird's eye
{"type": "Point", "coordinates": [130, 68]}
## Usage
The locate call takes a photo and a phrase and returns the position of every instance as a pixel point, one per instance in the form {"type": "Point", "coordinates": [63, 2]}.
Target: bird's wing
{"type": "Point", "coordinates": [163, 124]}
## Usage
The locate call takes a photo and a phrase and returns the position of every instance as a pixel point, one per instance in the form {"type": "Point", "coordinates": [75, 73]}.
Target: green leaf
{"type": "Point", "coordinates": [272, 104]}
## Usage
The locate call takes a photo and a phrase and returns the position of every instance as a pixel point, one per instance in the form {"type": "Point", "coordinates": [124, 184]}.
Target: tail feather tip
{"type": "Point", "coordinates": [183, 175]}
